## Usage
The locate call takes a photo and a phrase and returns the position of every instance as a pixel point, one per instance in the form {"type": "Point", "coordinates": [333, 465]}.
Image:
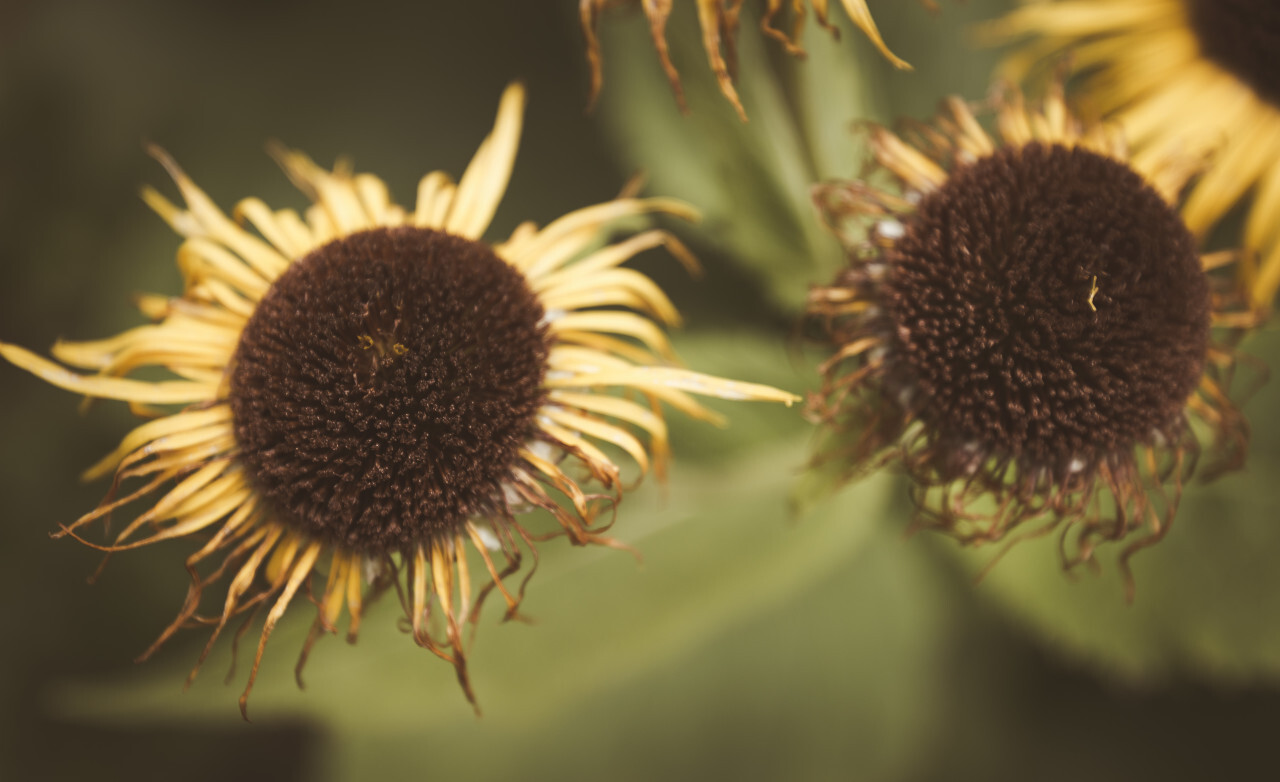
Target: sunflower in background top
{"type": "Point", "coordinates": [719, 22]}
{"type": "Point", "coordinates": [362, 398]}
{"type": "Point", "coordinates": [1024, 327]}
{"type": "Point", "coordinates": [1186, 77]}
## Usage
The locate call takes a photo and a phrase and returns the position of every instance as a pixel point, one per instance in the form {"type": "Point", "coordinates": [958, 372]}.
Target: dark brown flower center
{"type": "Point", "coordinates": [1242, 36]}
{"type": "Point", "coordinates": [384, 384]}
{"type": "Point", "coordinates": [1047, 305]}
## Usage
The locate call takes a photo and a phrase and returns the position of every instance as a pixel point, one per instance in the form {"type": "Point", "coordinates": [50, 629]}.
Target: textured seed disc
{"type": "Point", "coordinates": [384, 384]}
{"type": "Point", "coordinates": [1046, 304]}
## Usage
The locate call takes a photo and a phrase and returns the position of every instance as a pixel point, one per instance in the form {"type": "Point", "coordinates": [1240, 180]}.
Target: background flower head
{"type": "Point", "coordinates": [1025, 329]}
{"type": "Point", "coordinates": [1188, 77]}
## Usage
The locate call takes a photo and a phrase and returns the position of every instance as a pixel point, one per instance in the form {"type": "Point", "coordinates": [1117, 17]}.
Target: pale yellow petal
{"type": "Point", "coordinates": [625, 323]}
{"type": "Point", "coordinates": [485, 180]}
{"type": "Point", "coordinates": [861, 16]}
{"type": "Point", "coordinates": [601, 431]}
{"type": "Point", "coordinates": [543, 277]}
{"type": "Point", "coordinates": [625, 287]}
{"type": "Point", "coordinates": [374, 197]}
{"type": "Point", "coordinates": [270, 226]}
{"type": "Point", "coordinates": [159, 392]}
{"type": "Point", "coordinates": [212, 223]}
{"type": "Point", "coordinates": [201, 259]}
{"type": "Point", "coordinates": [193, 425]}
{"type": "Point", "coordinates": [659, 378]}
{"type": "Point", "coordinates": [615, 407]}
{"type": "Point", "coordinates": [565, 237]}
{"type": "Point", "coordinates": [435, 196]}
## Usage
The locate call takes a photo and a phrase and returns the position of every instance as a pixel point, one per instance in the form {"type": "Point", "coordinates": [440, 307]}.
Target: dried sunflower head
{"type": "Point", "coordinates": [364, 398]}
{"type": "Point", "coordinates": [1024, 326]}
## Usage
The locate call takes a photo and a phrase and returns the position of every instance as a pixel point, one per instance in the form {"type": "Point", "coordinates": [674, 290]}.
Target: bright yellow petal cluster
{"type": "Point", "coordinates": [1145, 71]}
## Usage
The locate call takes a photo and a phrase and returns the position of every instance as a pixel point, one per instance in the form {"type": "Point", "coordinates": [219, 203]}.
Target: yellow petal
{"type": "Point", "coordinates": [160, 392]}
{"type": "Point", "coordinates": [485, 180]}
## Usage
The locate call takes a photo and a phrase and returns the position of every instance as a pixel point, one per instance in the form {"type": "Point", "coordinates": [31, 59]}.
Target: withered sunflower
{"type": "Point", "coordinates": [719, 22]}
{"type": "Point", "coordinates": [1187, 77]}
{"type": "Point", "coordinates": [1024, 326]}
{"type": "Point", "coordinates": [364, 397]}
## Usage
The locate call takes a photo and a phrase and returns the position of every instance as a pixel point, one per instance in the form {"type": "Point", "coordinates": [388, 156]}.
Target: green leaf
{"type": "Point", "coordinates": [1206, 595]}
{"type": "Point", "coordinates": [781, 649]}
{"type": "Point", "coordinates": [751, 180]}
{"type": "Point", "coordinates": [717, 549]}
{"type": "Point", "coordinates": [847, 673]}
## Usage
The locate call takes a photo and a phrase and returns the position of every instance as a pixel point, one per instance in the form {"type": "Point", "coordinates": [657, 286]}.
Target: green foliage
{"type": "Point", "coordinates": [750, 180]}
{"type": "Point", "coordinates": [1205, 594]}
{"type": "Point", "coordinates": [716, 550]}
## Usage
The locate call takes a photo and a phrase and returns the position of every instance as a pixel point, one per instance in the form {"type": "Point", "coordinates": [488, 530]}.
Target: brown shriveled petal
{"type": "Point", "coordinates": [719, 21]}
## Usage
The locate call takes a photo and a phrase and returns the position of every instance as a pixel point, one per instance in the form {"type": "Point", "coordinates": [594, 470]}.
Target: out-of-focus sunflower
{"type": "Point", "coordinates": [1187, 77]}
{"type": "Point", "coordinates": [1025, 328]}
{"type": "Point", "coordinates": [363, 398]}
{"type": "Point", "coordinates": [719, 22]}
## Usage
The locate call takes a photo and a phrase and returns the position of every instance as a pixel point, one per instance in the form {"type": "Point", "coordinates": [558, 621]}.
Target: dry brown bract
{"type": "Point", "coordinates": [719, 21]}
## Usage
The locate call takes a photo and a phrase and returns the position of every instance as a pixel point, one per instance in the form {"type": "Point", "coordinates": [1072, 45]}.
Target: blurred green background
{"type": "Point", "coordinates": [750, 645]}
